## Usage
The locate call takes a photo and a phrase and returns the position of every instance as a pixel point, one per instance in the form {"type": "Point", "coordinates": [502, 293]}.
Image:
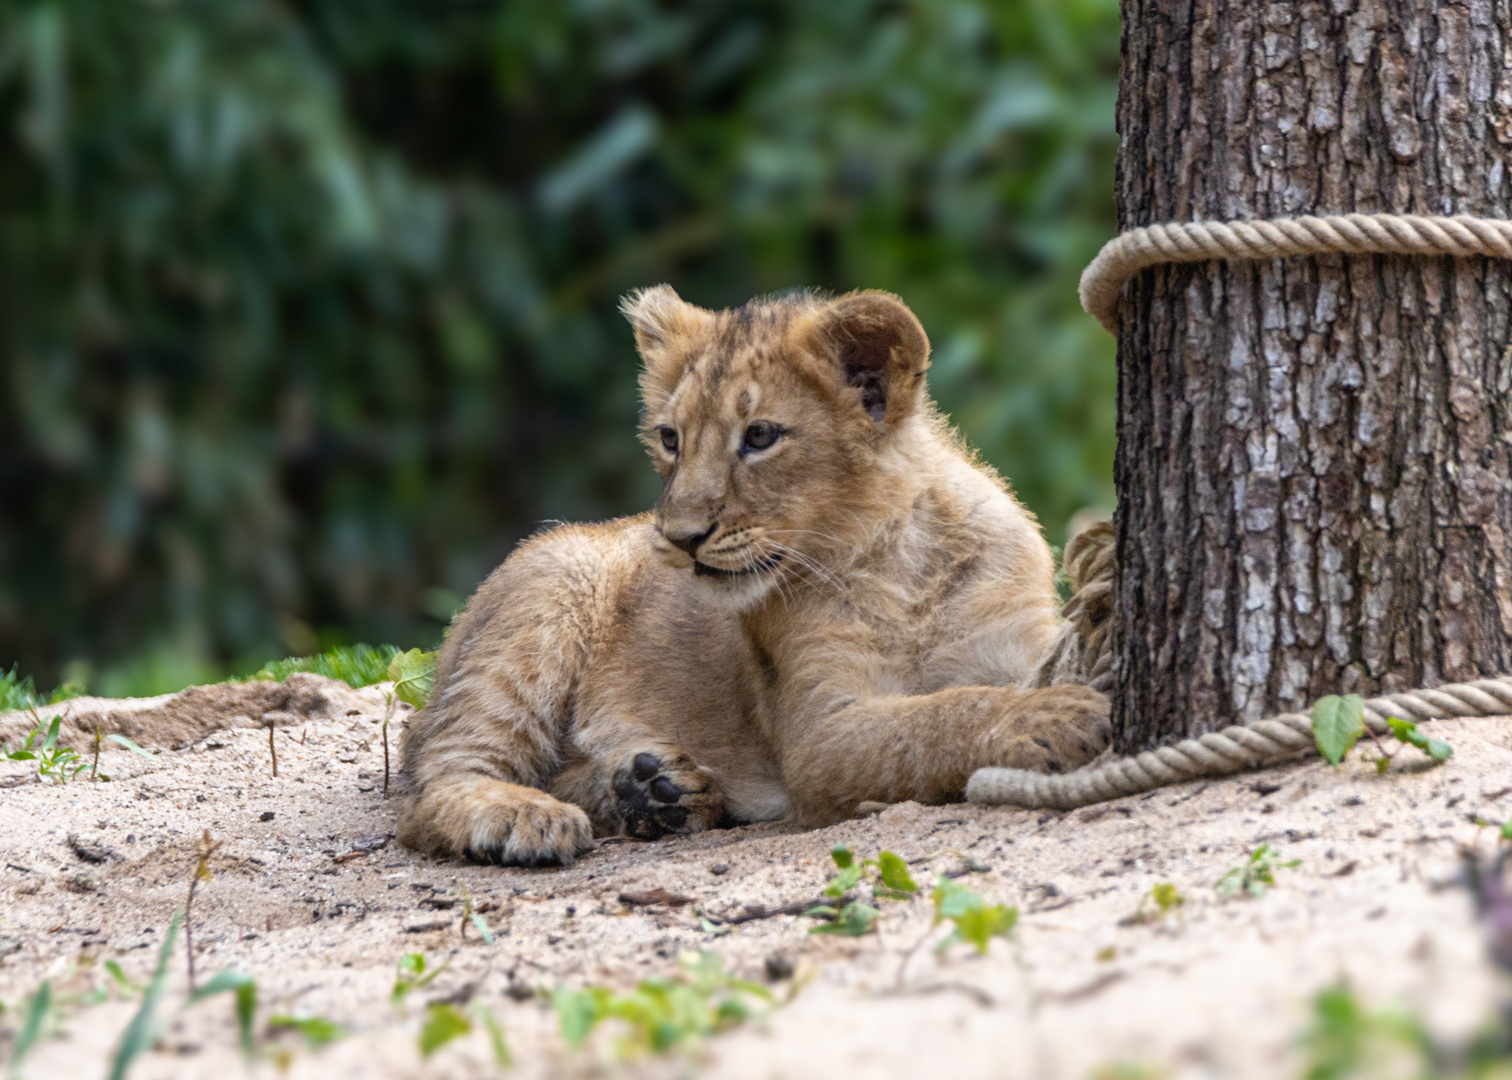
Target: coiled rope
{"type": "Point", "coordinates": [1223, 753]}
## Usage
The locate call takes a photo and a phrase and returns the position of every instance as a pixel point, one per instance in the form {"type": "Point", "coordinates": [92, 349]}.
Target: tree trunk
{"type": "Point", "coordinates": [1313, 454]}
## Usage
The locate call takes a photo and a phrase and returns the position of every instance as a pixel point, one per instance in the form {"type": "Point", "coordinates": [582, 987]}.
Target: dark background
{"type": "Point", "coordinates": [308, 309]}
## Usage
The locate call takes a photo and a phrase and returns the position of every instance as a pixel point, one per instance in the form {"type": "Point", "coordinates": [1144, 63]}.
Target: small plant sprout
{"type": "Point", "coordinates": [1339, 722]}
{"type": "Point", "coordinates": [1347, 1040]}
{"type": "Point", "coordinates": [125, 986]}
{"type": "Point", "coordinates": [206, 848]}
{"type": "Point", "coordinates": [975, 921]}
{"type": "Point", "coordinates": [496, 1038]}
{"type": "Point", "coordinates": [470, 916]}
{"type": "Point", "coordinates": [143, 1029]}
{"type": "Point", "coordinates": [411, 974]}
{"type": "Point", "coordinates": [663, 1013]}
{"type": "Point", "coordinates": [889, 879]}
{"type": "Point", "coordinates": [443, 1023]}
{"type": "Point", "coordinates": [316, 1031]}
{"type": "Point", "coordinates": [1162, 899]}
{"type": "Point", "coordinates": [61, 764]}
{"type": "Point", "coordinates": [1255, 875]}
{"type": "Point", "coordinates": [1407, 731]}
{"type": "Point", "coordinates": [243, 988]}
{"type": "Point", "coordinates": [37, 1011]}
{"type": "Point", "coordinates": [55, 763]}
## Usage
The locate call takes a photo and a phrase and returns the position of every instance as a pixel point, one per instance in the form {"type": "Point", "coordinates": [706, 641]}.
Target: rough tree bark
{"type": "Point", "coordinates": [1313, 454]}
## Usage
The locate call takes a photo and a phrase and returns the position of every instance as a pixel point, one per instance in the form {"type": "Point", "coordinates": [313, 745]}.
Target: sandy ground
{"type": "Point", "coordinates": [1222, 990]}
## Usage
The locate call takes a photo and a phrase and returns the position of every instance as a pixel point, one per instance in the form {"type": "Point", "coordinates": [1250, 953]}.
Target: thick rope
{"type": "Point", "coordinates": [1353, 234]}
{"type": "Point", "coordinates": [1223, 753]}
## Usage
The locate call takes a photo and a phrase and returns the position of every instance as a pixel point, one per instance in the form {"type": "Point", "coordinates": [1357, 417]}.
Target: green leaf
{"type": "Point", "coordinates": [244, 987]}
{"type": "Point", "coordinates": [846, 880]}
{"type": "Point", "coordinates": [482, 927]}
{"type": "Point", "coordinates": [952, 900]}
{"type": "Point", "coordinates": [414, 675]}
{"type": "Point", "coordinates": [1166, 896]}
{"type": "Point", "coordinates": [113, 969]}
{"type": "Point", "coordinates": [317, 1030]}
{"type": "Point", "coordinates": [979, 926]}
{"type": "Point", "coordinates": [495, 1037]}
{"type": "Point", "coordinates": [855, 920]}
{"type": "Point", "coordinates": [1409, 732]}
{"type": "Point", "coordinates": [128, 744]}
{"type": "Point", "coordinates": [895, 873]}
{"type": "Point", "coordinates": [842, 856]}
{"type": "Point", "coordinates": [142, 1031]}
{"type": "Point", "coordinates": [31, 1028]}
{"type": "Point", "coordinates": [52, 734]}
{"type": "Point", "coordinates": [714, 928]}
{"type": "Point", "coordinates": [578, 1011]}
{"type": "Point", "coordinates": [1506, 830]}
{"type": "Point", "coordinates": [443, 1023]}
{"type": "Point", "coordinates": [1338, 723]}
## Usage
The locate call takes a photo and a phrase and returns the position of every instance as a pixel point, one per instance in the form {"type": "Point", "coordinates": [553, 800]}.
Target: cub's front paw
{"type": "Point", "coordinates": [1057, 729]}
{"type": "Point", "coordinates": [660, 795]}
{"type": "Point", "coordinates": [490, 821]}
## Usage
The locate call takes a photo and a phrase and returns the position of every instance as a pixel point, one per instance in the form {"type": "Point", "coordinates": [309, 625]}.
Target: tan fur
{"type": "Point", "coordinates": [868, 620]}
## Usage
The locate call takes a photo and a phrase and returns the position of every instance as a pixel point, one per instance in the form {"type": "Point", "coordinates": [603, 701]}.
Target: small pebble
{"type": "Point", "coordinates": [266, 815]}
{"type": "Point", "coordinates": [719, 869]}
{"type": "Point", "coordinates": [779, 966]}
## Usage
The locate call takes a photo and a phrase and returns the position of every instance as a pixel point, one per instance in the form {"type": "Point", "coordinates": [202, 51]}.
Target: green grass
{"type": "Point", "coordinates": [355, 665]}
{"type": "Point", "coordinates": [17, 692]}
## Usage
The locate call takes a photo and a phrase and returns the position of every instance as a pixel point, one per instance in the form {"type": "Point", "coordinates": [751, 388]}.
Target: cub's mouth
{"type": "Point", "coordinates": [701, 569]}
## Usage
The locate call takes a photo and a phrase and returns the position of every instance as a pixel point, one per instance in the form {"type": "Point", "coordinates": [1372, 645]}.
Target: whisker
{"type": "Point", "coordinates": [806, 563]}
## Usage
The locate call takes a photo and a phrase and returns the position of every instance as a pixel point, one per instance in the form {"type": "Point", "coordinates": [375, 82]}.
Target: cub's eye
{"type": "Point", "coordinates": [759, 435]}
{"type": "Point", "coordinates": [668, 439]}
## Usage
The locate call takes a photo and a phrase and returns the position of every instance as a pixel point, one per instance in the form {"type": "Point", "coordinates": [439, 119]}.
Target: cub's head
{"type": "Point", "coordinates": [769, 424]}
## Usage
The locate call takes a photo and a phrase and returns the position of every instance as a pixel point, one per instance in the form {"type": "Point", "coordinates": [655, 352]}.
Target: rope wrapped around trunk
{"type": "Point", "coordinates": [1124, 256]}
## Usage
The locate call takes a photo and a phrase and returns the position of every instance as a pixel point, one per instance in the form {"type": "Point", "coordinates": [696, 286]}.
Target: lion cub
{"type": "Point", "coordinates": [832, 602]}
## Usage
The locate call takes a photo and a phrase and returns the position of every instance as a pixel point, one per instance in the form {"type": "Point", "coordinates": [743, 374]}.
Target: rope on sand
{"type": "Point", "coordinates": [1223, 753]}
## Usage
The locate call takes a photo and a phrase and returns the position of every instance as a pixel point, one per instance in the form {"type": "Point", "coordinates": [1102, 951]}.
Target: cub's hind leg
{"type": "Point", "coordinates": [495, 730]}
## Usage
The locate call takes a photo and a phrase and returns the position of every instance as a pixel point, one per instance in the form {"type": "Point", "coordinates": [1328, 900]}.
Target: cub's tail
{"type": "Point", "coordinates": [1081, 653]}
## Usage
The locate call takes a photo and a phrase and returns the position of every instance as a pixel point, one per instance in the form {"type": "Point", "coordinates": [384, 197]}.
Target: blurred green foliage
{"type": "Point", "coordinates": [307, 309]}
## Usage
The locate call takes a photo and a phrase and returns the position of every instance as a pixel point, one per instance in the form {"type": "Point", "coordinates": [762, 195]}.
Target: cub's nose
{"type": "Point", "coordinates": [687, 537]}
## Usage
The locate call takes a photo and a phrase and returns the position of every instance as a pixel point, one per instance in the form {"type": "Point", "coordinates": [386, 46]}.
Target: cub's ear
{"type": "Point", "coordinates": [879, 346]}
{"type": "Point", "coordinates": [667, 331]}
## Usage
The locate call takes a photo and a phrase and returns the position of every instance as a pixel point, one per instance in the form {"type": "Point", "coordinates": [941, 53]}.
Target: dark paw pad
{"type": "Point", "coordinates": [650, 801]}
